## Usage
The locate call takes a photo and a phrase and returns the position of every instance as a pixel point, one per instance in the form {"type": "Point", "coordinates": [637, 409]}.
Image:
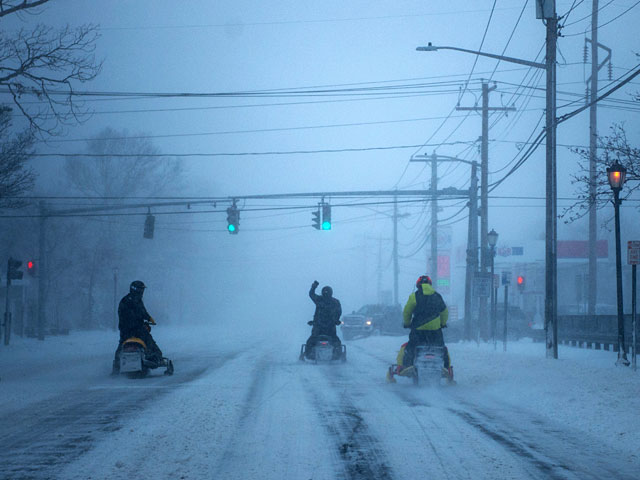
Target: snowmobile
{"type": "Point", "coordinates": [135, 361]}
{"type": "Point", "coordinates": [427, 368]}
{"type": "Point", "coordinates": [322, 351]}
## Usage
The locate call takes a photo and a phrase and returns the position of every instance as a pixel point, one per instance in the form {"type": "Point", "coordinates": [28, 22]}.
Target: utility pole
{"type": "Point", "coordinates": [592, 94]}
{"type": "Point", "coordinates": [42, 278]}
{"type": "Point", "coordinates": [551, 207]}
{"type": "Point", "coordinates": [395, 249]}
{"type": "Point", "coordinates": [380, 271]}
{"type": "Point", "coordinates": [472, 251]}
{"type": "Point", "coordinates": [434, 221]}
{"type": "Point", "coordinates": [593, 137]}
{"type": "Point", "coordinates": [472, 235]}
{"type": "Point", "coordinates": [484, 191]}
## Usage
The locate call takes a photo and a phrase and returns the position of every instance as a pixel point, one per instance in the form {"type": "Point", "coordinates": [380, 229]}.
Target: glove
{"type": "Point", "coordinates": [151, 320]}
{"type": "Point", "coordinates": [338, 322]}
{"type": "Point", "coordinates": [444, 326]}
{"type": "Point", "coordinates": [315, 284]}
{"type": "Point", "coordinates": [310, 322]}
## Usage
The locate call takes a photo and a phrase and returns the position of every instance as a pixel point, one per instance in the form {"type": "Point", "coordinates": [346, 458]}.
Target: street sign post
{"type": "Point", "coordinates": [482, 284]}
{"type": "Point", "coordinates": [633, 259]}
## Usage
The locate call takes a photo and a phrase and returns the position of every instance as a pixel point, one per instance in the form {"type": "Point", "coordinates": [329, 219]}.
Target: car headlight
{"type": "Point", "coordinates": [368, 322]}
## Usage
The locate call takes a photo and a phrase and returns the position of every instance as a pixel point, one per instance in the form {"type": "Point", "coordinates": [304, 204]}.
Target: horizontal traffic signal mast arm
{"type": "Point", "coordinates": [363, 193]}
{"type": "Point", "coordinates": [49, 212]}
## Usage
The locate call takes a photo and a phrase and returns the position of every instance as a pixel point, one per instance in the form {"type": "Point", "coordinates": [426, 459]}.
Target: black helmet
{"type": "Point", "coordinates": [137, 287]}
{"type": "Point", "coordinates": [327, 291]}
{"type": "Point", "coordinates": [423, 279]}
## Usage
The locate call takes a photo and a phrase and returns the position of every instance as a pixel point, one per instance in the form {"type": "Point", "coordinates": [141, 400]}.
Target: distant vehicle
{"type": "Point", "coordinates": [373, 319]}
{"type": "Point", "coordinates": [519, 324]}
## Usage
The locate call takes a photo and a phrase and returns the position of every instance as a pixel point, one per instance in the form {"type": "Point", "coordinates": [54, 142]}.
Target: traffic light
{"type": "Point", "coordinates": [149, 224]}
{"type": "Point", "coordinates": [12, 269]}
{"type": "Point", "coordinates": [233, 219]}
{"type": "Point", "coordinates": [315, 216]}
{"type": "Point", "coordinates": [326, 216]}
{"type": "Point", "coordinates": [31, 268]}
{"type": "Point", "coordinates": [520, 283]}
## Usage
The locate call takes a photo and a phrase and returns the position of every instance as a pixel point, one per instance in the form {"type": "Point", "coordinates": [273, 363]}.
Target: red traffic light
{"type": "Point", "coordinates": [520, 280]}
{"type": "Point", "coordinates": [31, 268]}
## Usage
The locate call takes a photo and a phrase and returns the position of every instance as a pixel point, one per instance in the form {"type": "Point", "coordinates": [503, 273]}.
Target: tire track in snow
{"type": "Point", "coordinates": [356, 445]}
{"type": "Point", "coordinates": [42, 437]}
{"type": "Point", "coordinates": [554, 454]}
{"type": "Point", "coordinates": [536, 445]}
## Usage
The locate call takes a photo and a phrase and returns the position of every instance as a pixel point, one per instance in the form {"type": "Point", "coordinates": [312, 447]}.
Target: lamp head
{"type": "Point", "coordinates": [428, 48]}
{"type": "Point", "coordinates": [492, 238]}
{"type": "Point", "coordinates": [616, 174]}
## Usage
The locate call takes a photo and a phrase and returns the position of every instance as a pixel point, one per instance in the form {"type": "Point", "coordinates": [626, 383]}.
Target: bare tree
{"type": "Point", "coordinates": [104, 176]}
{"type": "Point", "coordinates": [613, 147]}
{"type": "Point", "coordinates": [16, 6]}
{"type": "Point", "coordinates": [39, 67]}
{"type": "Point", "coordinates": [15, 177]}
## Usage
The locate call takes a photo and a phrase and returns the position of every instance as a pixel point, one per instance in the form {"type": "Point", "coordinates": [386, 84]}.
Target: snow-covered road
{"type": "Point", "coordinates": [238, 409]}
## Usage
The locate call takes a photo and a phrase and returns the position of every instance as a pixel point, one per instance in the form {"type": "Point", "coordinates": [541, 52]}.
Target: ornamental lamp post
{"type": "Point", "coordinates": [616, 175]}
{"type": "Point", "coordinates": [492, 239]}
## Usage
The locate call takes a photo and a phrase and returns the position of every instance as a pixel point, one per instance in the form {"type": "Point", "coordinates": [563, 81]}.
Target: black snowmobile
{"type": "Point", "coordinates": [135, 360]}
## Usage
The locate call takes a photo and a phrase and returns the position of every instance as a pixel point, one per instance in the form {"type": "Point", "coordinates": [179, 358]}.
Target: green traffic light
{"type": "Point", "coordinates": [326, 225]}
{"type": "Point", "coordinates": [231, 227]}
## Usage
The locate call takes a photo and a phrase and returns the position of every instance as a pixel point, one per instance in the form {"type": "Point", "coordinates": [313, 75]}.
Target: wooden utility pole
{"type": "Point", "coordinates": [484, 192]}
{"type": "Point", "coordinates": [472, 252]}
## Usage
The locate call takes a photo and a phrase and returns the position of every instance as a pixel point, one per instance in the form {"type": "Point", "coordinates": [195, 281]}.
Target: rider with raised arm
{"type": "Point", "coordinates": [325, 319]}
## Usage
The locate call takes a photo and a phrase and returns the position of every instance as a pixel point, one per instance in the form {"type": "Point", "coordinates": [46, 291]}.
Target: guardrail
{"type": "Point", "coordinates": [599, 332]}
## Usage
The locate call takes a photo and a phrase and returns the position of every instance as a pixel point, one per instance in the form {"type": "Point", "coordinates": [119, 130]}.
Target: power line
{"type": "Point", "coordinates": [234, 154]}
{"type": "Point", "coordinates": [475, 61]}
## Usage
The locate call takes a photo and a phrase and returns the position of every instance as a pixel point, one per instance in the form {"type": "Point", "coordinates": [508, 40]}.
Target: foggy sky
{"type": "Point", "coordinates": [204, 46]}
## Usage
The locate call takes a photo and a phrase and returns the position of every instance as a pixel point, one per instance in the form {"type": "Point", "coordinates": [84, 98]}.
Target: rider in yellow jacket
{"type": "Point", "coordinates": [425, 314]}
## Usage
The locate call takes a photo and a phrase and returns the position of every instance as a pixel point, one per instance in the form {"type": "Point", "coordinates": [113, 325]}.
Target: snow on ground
{"type": "Point", "coordinates": [582, 388]}
{"type": "Point", "coordinates": [258, 413]}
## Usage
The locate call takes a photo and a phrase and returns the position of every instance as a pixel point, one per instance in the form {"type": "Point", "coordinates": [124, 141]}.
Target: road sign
{"type": "Point", "coordinates": [482, 284]}
{"type": "Point", "coordinates": [506, 278]}
{"type": "Point", "coordinates": [633, 252]}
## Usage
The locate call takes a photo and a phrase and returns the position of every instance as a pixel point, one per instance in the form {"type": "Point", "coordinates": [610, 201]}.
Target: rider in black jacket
{"type": "Point", "coordinates": [325, 319]}
{"type": "Point", "coordinates": [132, 316]}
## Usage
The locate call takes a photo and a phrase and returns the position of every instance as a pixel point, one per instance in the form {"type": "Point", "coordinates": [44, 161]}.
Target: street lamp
{"type": "Point", "coordinates": [616, 174]}
{"type": "Point", "coordinates": [492, 239]}
{"type": "Point", "coordinates": [551, 210]}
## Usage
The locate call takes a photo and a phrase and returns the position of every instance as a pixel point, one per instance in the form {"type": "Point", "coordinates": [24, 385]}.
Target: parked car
{"type": "Point", "coordinates": [519, 324]}
{"type": "Point", "coordinates": [374, 319]}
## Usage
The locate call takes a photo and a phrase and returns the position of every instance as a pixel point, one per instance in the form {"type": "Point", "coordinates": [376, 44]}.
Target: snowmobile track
{"type": "Point", "coordinates": [584, 465]}
{"type": "Point", "coordinates": [357, 447]}
{"type": "Point", "coordinates": [54, 432]}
